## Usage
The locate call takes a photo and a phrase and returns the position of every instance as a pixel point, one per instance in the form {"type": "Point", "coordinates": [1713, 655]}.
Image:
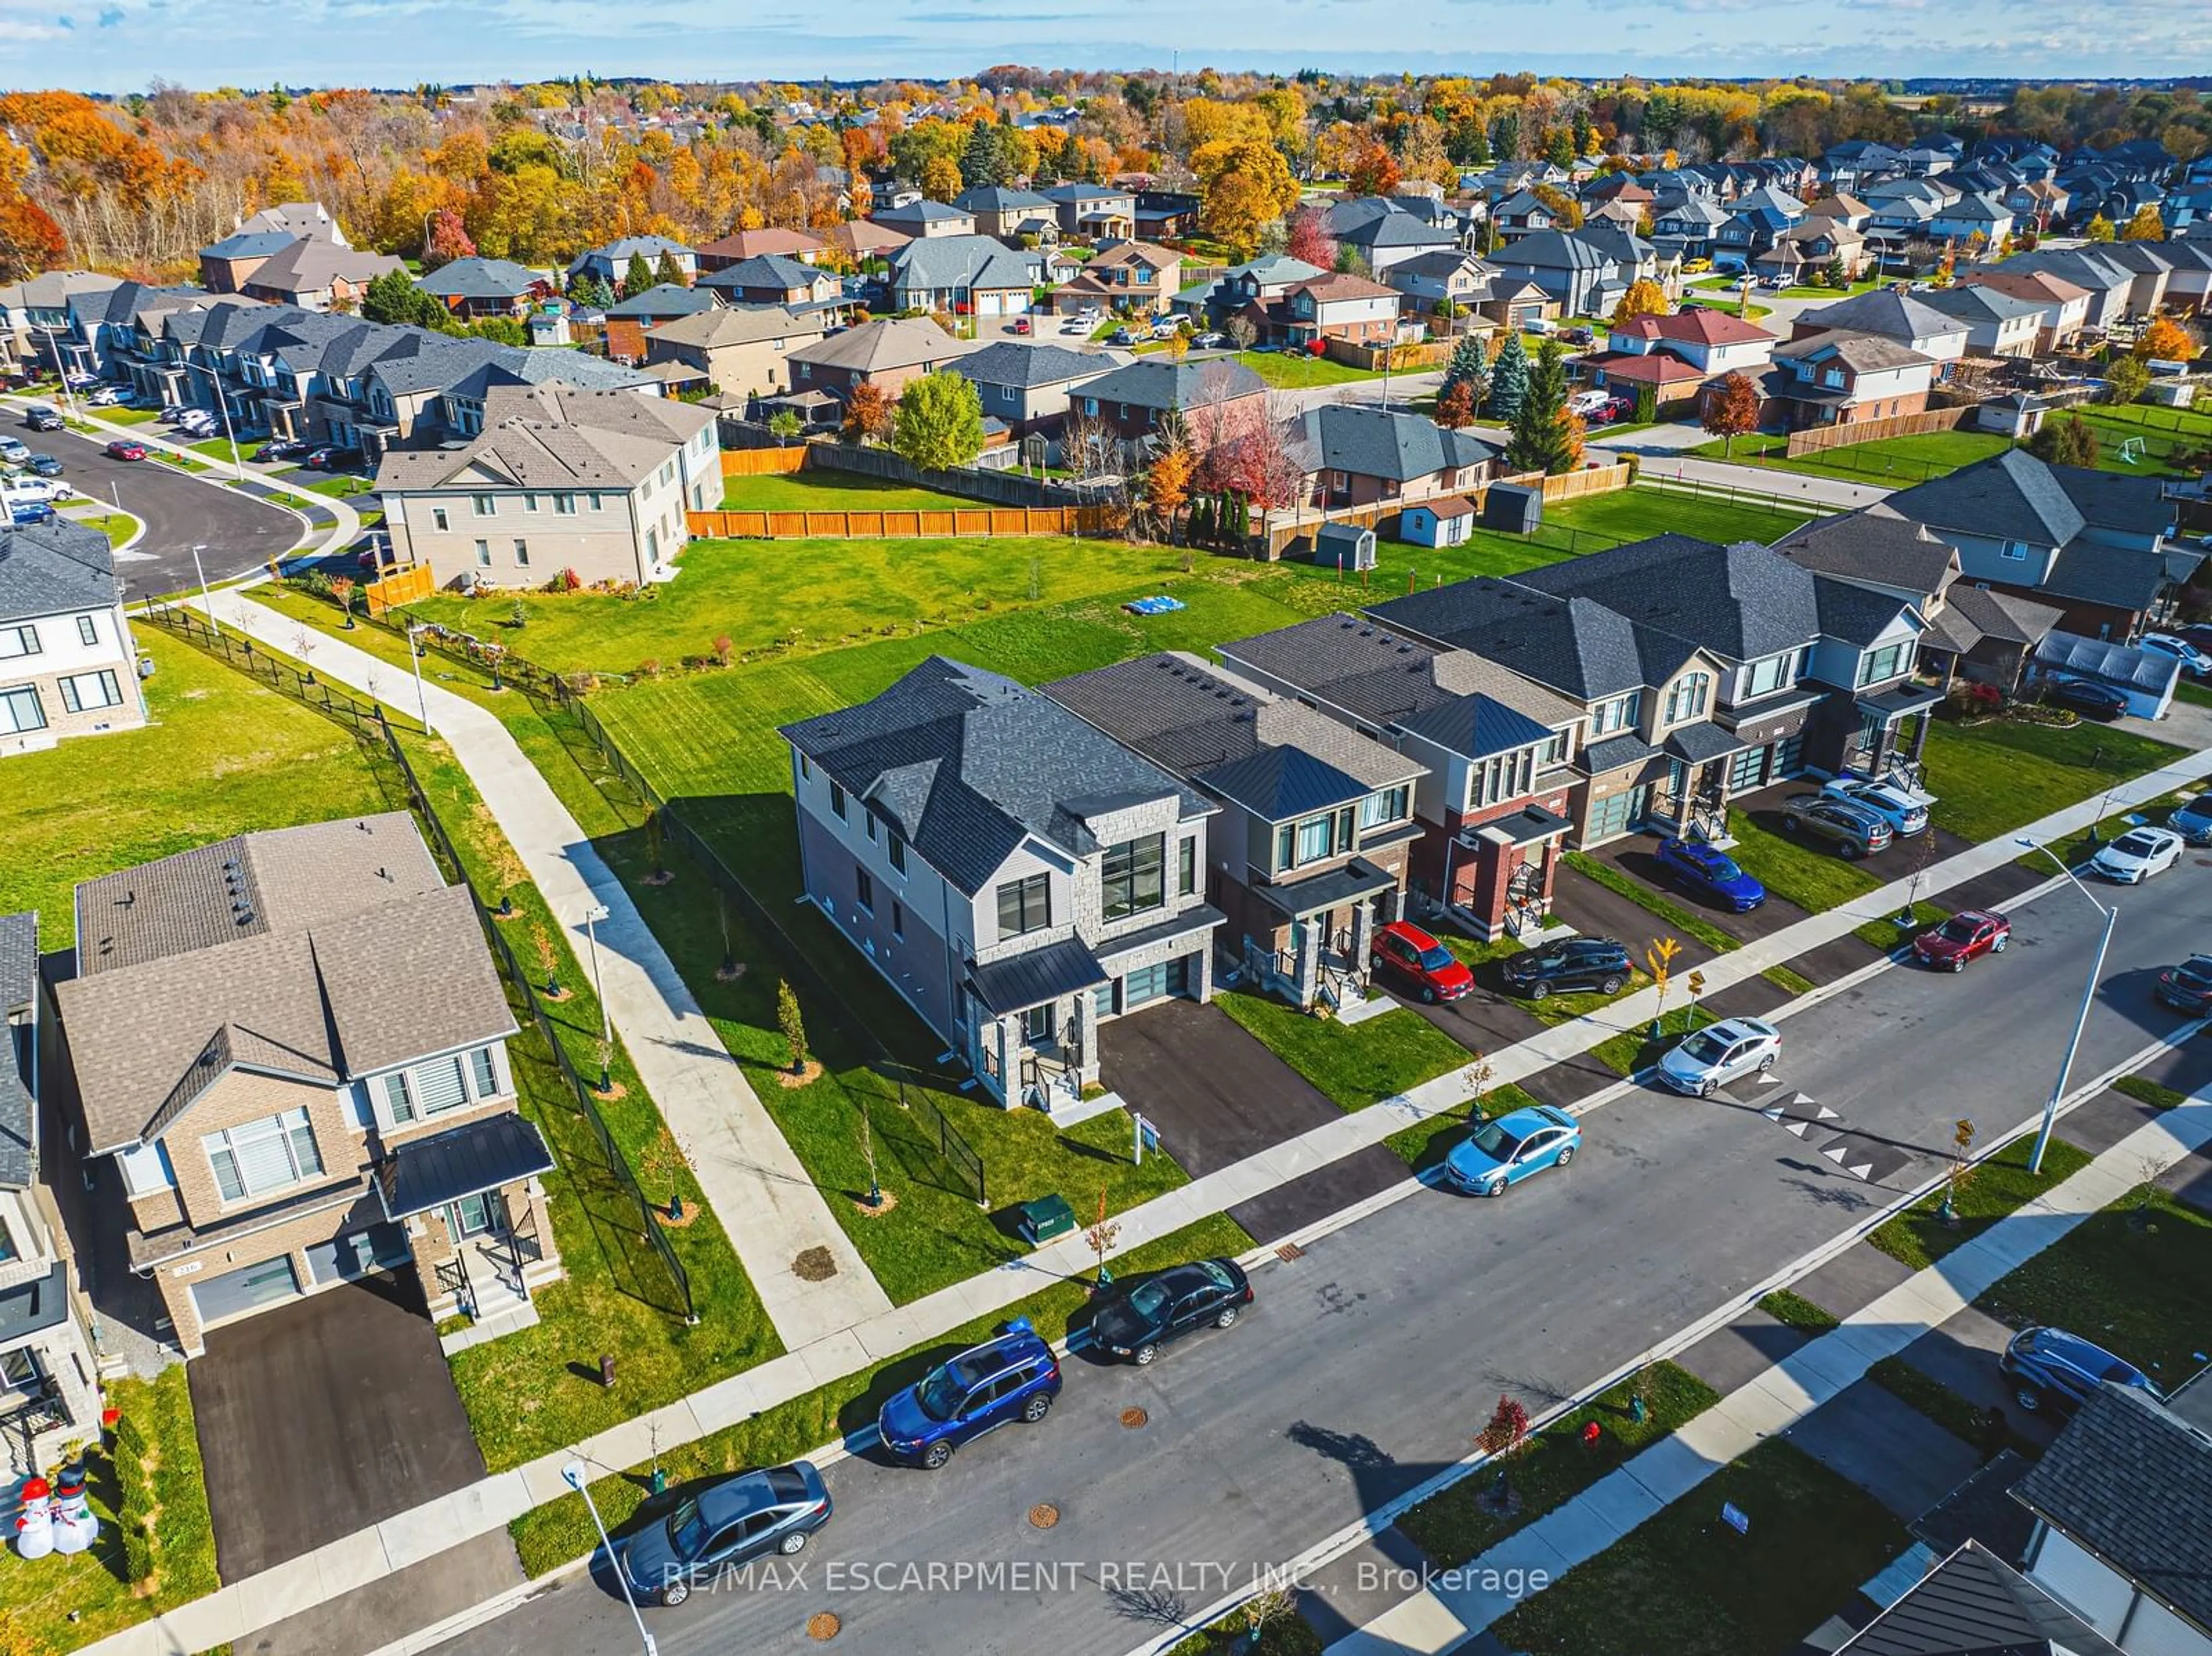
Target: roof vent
{"type": "Point", "coordinates": [246, 918]}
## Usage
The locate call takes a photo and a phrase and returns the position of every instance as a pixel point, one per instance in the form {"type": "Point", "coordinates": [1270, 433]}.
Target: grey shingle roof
{"type": "Point", "coordinates": [1475, 726]}
{"type": "Point", "coordinates": [1377, 442]}
{"type": "Point", "coordinates": [2004, 617]}
{"type": "Point", "coordinates": [1006, 363]}
{"type": "Point", "coordinates": [966, 764]}
{"type": "Point", "coordinates": [478, 278]}
{"type": "Point", "coordinates": [19, 980]}
{"type": "Point", "coordinates": [1153, 383]}
{"type": "Point", "coordinates": [960, 262]}
{"type": "Point", "coordinates": [249, 244]}
{"type": "Point", "coordinates": [666, 299]}
{"type": "Point", "coordinates": [48, 568]}
{"type": "Point", "coordinates": [1974, 1604]}
{"type": "Point", "coordinates": [777, 270]}
{"type": "Point", "coordinates": [1872, 545]}
{"type": "Point", "coordinates": [1976, 303]}
{"type": "Point", "coordinates": [1887, 311]}
{"type": "Point", "coordinates": [2009, 496]}
{"type": "Point", "coordinates": [2087, 573]}
{"type": "Point", "coordinates": [2131, 1482]}
{"type": "Point", "coordinates": [1741, 602]}
{"type": "Point", "coordinates": [1575, 645]}
{"type": "Point", "coordinates": [1856, 615]}
{"type": "Point", "coordinates": [2114, 500]}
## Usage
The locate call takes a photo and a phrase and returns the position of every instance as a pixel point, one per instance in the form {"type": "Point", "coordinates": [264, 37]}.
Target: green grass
{"type": "Point", "coordinates": [181, 462]}
{"type": "Point", "coordinates": [1689, 925]}
{"type": "Point", "coordinates": [1784, 977]}
{"type": "Point", "coordinates": [2144, 1090]}
{"type": "Point", "coordinates": [1354, 1066]}
{"type": "Point", "coordinates": [1807, 873]}
{"type": "Point", "coordinates": [1422, 1146]}
{"type": "Point", "coordinates": [340, 487]}
{"type": "Point", "coordinates": [1993, 778]}
{"type": "Point", "coordinates": [561, 1530]}
{"type": "Point", "coordinates": [118, 527]}
{"type": "Point", "coordinates": [1898, 461]}
{"type": "Point", "coordinates": [1635, 1050]}
{"type": "Point", "coordinates": [1953, 1413]}
{"type": "Point", "coordinates": [1795, 1311]}
{"type": "Point", "coordinates": [60, 1604]}
{"type": "Point", "coordinates": [828, 489]}
{"type": "Point", "coordinates": [1734, 306]}
{"type": "Point", "coordinates": [1886, 934]}
{"type": "Point", "coordinates": [1290, 1635]}
{"type": "Point", "coordinates": [223, 450]}
{"type": "Point", "coordinates": [2198, 695]}
{"type": "Point", "coordinates": [2149, 420]}
{"type": "Point", "coordinates": [116, 417]}
{"type": "Point", "coordinates": [805, 596]}
{"type": "Point", "coordinates": [2137, 1278]}
{"type": "Point", "coordinates": [1919, 1236]}
{"type": "Point", "coordinates": [222, 756]}
{"type": "Point", "coordinates": [1696, 1588]}
{"type": "Point", "coordinates": [1851, 290]}
{"type": "Point", "coordinates": [1555, 1466]}
{"type": "Point", "coordinates": [1285, 371]}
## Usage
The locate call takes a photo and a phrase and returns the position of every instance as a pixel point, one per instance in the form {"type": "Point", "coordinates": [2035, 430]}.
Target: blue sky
{"type": "Point", "coordinates": [121, 44]}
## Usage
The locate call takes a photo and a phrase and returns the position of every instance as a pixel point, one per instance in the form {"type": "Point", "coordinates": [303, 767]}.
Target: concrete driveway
{"type": "Point", "coordinates": [324, 1417]}
{"type": "Point", "coordinates": [1218, 1095]}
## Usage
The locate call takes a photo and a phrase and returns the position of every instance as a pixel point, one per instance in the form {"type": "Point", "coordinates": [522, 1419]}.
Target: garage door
{"type": "Point", "coordinates": [251, 1289]}
{"type": "Point", "coordinates": [381, 1247]}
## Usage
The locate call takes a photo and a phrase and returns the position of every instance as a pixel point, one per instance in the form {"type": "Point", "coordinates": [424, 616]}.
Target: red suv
{"type": "Point", "coordinates": [1407, 952]}
{"type": "Point", "coordinates": [1969, 932]}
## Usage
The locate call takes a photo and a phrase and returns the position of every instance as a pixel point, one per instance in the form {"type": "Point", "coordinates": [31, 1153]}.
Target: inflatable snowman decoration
{"type": "Point", "coordinates": [74, 1525]}
{"type": "Point", "coordinates": [34, 1524]}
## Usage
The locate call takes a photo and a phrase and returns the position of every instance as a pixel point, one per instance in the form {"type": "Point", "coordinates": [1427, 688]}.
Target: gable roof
{"type": "Point", "coordinates": [479, 278]}
{"type": "Point", "coordinates": [998, 198]}
{"type": "Point", "coordinates": [310, 264]}
{"type": "Point", "coordinates": [962, 262]}
{"type": "Point", "coordinates": [1552, 250]}
{"type": "Point", "coordinates": [1699, 325]}
{"type": "Point", "coordinates": [619, 252]}
{"type": "Point", "coordinates": [1873, 545]}
{"type": "Point", "coordinates": [1866, 353]}
{"type": "Point", "coordinates": [2010, 496]}
{"type": "Point", "coordinates": [777, 270]}
{"type": "Point", "coordinates": [1973, 302]}
{"type": "Point", "coordinates": [2130, 1482]}
{"type": "Point", "coordinates": [768, 238]}
{"type": "Point", "coordinates": [1342, 285]}
{"type": "Point", "coordinates": [249, 244]}
{"type": "Point", "coordinates": [966, 764]}
{"type": "Point", "coordinates": [1973, 1603]}
{"type": "Point", "coordinates": [736, 325]}
{"type": "Point", "coordinates": [50, 568]}
{"type": "Point", "coordinates": [1575, 645]}
{"type": "Point", "coordinates": [1886, 312]}
{"type": "Point", "coordinates": [1377, 442]}
{"type": "Point", "coordinates": [1006, 363]}
{"type": "Point", "coordinates": [553, 436]}
{"type": "Point", "coordinates": [1741, 602]}
{"type": "Point", "coordinates": [1150, 383]}
{"type": "Point", "coordinates": [886, 343]}
{"type": "Point", "coordinates": [666, 299]}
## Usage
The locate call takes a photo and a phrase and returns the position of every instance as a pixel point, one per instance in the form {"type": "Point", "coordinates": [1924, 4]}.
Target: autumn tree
{"type": "Point", "coordinates": [1731, 409]}
{"type": "Point", "coordinates": [2165, 341]}
{"type": "Point", "coordinates": [2100, 229]}
{"type": "Point", "coordinates": [449, 239]}
{"type": "Point", "coordinates": [1374, 171]}
{"type": "Point", "coordinates": [868, 413]}
{"type": "Point", "coordinates": [1456, 406]}
{"type": "Point", "coordinates": [1309, 239]}
{"type": "Point", "coordinates": [1566, 212]}
{"type": "Point", "coordinates": [1469, 367]}
{"type": "Point", "coordinates": [2126, 379]}
{"type": "Point", "coordinates": [940, 177]}
{"type": "Point", "coordinates": [637, 276]}
{"type": "Point", "coordinates": [1509, 380]}
{"type": "Point", "coordinates": [938, 424]}
{"type": "Point", "coordinates": [1543, 440]}
{"type": "Point", "coordinates": [1167, 486]}
{"type": "Point", "coordinates": [2068, 441]}
{"type": "Point", "coordinates": [2145, 226]}
{"type": "Point", "coordinates": [1645, 297]}
{"type": "Point", "coordinates": [1246, 186]}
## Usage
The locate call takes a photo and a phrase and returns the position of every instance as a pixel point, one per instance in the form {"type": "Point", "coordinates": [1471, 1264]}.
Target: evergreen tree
{"type": "Point", "coordinates": [1509, 380]}
{"type": "Point", "coordinates": [668, 270]}
{"type": "Point", "coordinates": [1540, 437]}
{"type": "Point", "coordinates": [984, 161]}
{"type": "Point", "coordinates": [1469, 366]}
{"type": "Point", "coordinates": [1202, 521]}
{"type": "Point", "coordinates": [637, 276]}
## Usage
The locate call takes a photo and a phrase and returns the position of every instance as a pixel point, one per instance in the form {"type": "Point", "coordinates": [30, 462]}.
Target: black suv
{"type": "Point", "coordinates": [1597, 963]}
{"type": "Point", "coordinates": [43, 419]}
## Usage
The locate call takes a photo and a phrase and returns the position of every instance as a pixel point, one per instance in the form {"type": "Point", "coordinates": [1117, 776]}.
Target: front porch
{"type": "Point", "coordinates": [471, 1204]}
{"type": "Point", "coordinates": [1319, 951]}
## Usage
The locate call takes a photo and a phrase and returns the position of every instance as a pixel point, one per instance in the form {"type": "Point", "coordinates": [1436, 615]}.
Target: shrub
{"type": "Point", "coordinates": [128, 1437]}
{"type": "Point", "coordinates": [137, 1553]}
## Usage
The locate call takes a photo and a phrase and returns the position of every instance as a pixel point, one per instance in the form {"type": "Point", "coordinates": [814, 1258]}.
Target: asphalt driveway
{"type": "Point", "coordinates": [1636, 856]}
{"type": "Point", "coordinates": [324, 1417]}
{"type": "Point", "coordinates": [1218, 1095]}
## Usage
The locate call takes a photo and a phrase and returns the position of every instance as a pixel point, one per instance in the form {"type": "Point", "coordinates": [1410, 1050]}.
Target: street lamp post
{"type": "Point", "coordinates": [422, 695]}
{"type": "Point", "coordinates": [207, 602]}
{"type": "Point", "coordinates": [572, 1474]}
{"type": "Point", "coordinates": [2081, 1017]}
{"type": "Point", "coordinates": [596, 913]}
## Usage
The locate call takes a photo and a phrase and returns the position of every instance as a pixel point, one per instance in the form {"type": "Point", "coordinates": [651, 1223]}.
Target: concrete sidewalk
{"type": "Point", "coordinates": [1439, 1619]}
{"type": "Point", "coordinates": [759, 1190]}
{"type": "Point", "coordinates": [526, 808]}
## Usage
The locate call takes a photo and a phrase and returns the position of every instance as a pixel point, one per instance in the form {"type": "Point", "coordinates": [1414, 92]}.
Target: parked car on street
{"type": "Point", "coordinates": [1697, 866]}
{"type": "Point", "coordinates": [2192, 659]}
{"type": "Point", "coordinates": [1852, 829]}
{"type": "Point", "coordinates": [1014, 1377]}
{"type": "Point", "coordinates": [15, 450]}
{"type": "Point", "coordinates": [2193, 822]}
{"type": "Point", "coordinates": [1966, 935]}
{"type": "Point", "coordinates": [1500, 1154]}
{"type": "Point", "coordinates": [1134, 1318]}
{"type": "Point", "coordinates": [1402, 950]}
{"type": "Point", "coordinates": [729, 1523]}
{"type": "Point", "coordinates": [2137, 854]}
{"type": "Point", "coordinates": [124, 449]}
{"type": "Point", "coordinates": [2187, 987]}
{"type": "Point", "coordinates": [39, 417]}
{"type": "Point", "coordinates": [2050, 1367]}
{"type": "Point", "coordinates": [1708, 1059]}
{"type": "Point", "coordinates": [1572, 963]}
{"type": "Point", "coordinates": [2091, 699]}
{"type": "Point", "coordinates": [44, 465]}
{"type": "Point", "coordinates": [1905, 813]}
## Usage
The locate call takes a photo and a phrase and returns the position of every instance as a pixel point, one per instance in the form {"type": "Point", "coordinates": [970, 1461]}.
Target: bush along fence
{"type": "Point", "coordinates": [962, 523]}
{"type": "Point", "coordinates": [962, 1164]}
{"type": "Point", "coordinates": [368, 723]}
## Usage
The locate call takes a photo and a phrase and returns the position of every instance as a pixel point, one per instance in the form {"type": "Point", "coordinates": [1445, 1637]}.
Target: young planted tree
{"type": "Point", "coordinates": [1731, 409]}
{"type": "Point", "coordinates": [2070, 440]}
{"type": "Point", "coordinates": [1508, 378]}
{"type": "Point", "coordinates": [939, 423]}
{"type": "Point", "coordinates": [449, 239]}
{"type": "Point", "coordinates": [784, 425]}
{"type": "Point", "coordinates": [791, 1024]}
{"type": "Point", "coordinates": [1167, 486]}
{"type": "Point", "coordinates": [868, 413]}
{"type": "Point", "coordinates": [1456, 406]}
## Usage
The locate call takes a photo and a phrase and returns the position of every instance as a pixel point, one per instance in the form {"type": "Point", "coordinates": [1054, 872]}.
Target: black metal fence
{"type": "Point", "coordinates": [237, 650]}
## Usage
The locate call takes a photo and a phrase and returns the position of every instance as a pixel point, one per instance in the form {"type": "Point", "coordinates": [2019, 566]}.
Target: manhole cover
{"type": "Point", "coordinates": [1133, 1418]}
{"type": "Point", "coordinates": [815, 1264]}
{"type": "Point", "coordinates": [822, 1625]}
{"type": "Point", "coordinates": [1043, 1515]}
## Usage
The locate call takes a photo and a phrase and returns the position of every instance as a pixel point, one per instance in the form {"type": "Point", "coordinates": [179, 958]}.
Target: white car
{"type": "Point", "coordinates": [1588, 402]}
{"type": "Point", "coordinates": [1905, 815]}
{"type": "Point", "coordinates": [47, 491]}
{"type": "Point", "coordinates": [2191, 658]}
{"type": "Point", "coordinates": [1710, 1059]}
{"type": "Point", "coordinates": [2138, 854]}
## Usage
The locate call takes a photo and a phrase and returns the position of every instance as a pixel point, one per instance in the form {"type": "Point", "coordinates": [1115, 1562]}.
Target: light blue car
{"type": "Point", "coordinates": [1504, 1152]}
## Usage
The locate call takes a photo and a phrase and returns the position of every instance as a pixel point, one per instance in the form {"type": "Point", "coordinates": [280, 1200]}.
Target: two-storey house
{"type": "Point", "coordinates": [2061, 308]}
{"type": "Point", "coordinates": [1839, 378]}
{"type": "Point", "coordinates": [1017, 876]}
{"type": "Point", "coordinates": [1997, 324]}
{"type": "Point", "coordinates": [1340, 307]}
{"type": "Point", "coordinates": [774, 279]}
{"type": "Point", "coordinates": [35, 315]}
{"type": "Point", "coordinates": [921, 220]}
{"type": "Point", "coordinates": [1028, 388]}
{"type": "Point", "coordinates": [1814, 245]}
{"type": "Point", "coordinates": [1688, 226]}
{"type": "Point", "coordinates": [1888, 314]}
{"type": "Point", "coordinates": [611, 264]}
{"type": "Point", "coordinates": [964, 275]}
{"type": "Point", "coordinates": [67, 664]}
{"type": "Point", "coordinates": [741, 245]}
{"type": "Point", "coordinates": [1250, 290]}
{"type": "Point", "coordinates": [288, 1055]}
{"type": "Point", "coordinates": [1522, 213]}
{"type": "Point", "coordinates": [1430, 281]}
{"type": "Point", "coordinates": [1357, 454]}
{"type": "Point", "coordinates": [1678, 355]}
{"type": "Point", "coordinates": [1307, 852]}
{"type": "Point", "coordinates": [1009, 212]}
{"type": "Point", "coordinates": [1094, 212]}
{"type": "Point", "coordinates": [1216, 396]}
{"type": "Point", "coordinates": [742, 350]}
{"type": "Point", "coordinates": [1129, 276]}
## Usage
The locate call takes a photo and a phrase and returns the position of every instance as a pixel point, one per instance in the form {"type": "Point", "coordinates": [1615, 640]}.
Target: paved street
{"type": "Point", "coordinates": [1369, 1361]}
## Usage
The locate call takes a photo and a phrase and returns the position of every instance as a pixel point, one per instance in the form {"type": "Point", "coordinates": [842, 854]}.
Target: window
{"type": "Point", "coordinates": [1037, 1025]}
{"type": "Point", "coordinates": [483, 555]}
{"type": "Point", "coordinates": [398, 1099]}
{"type": "Point", "coordinates": [1186, 867]}
{"type": "Point", "coordinates": [86, 692]}
{"type": "Point", "coordinates": [19, 1369]}
{"type": "Point", "coordinates": [595, 500]}
{"type": "Point", "coordinates": [1133, 877]}
{"type": "Point", "coordinates": [898, 919]}
{"type": "Point", "coordinates": [20, 710]}
{"type": "Point", "coordinates": [564, 506]}
{"type": "Point", "coordinates": [438, 518]}
{"type": "Point", "coordinates": [1553, 752]}
{"type": "Point", "coordinates": [805, 768]}
{"type": "Point", "coordinates": [2016, 550]}
{"type": "Point", "coordinates": [1387, 806]}
{"type": "Point", "coordinates": [8, 1251]}
{"type": "Point", "coordinates": [483, 505]}
{"type": "Point", "coordinates": [18, 641]}
{"type": "Point", "coordinates": [484, 1072]}
{"type": "Point", "coordinates": [1618, 714]}
{"type": "Point", "coordinates": [1885, 662]}
{"type": "Point", "coordinates": [440, 1085]}
{"type": "Point", "coordinates": [262, 1157]}
{"type": "Point", "coordinates": [1765, 677]}
{"type": "Point", "coordinates": [864, 888]}
{"type": "Point", "coordinates": [1687, 699]}
{"type": "Point", "coordinates": [530, 503]}
{"type": "Point", "coordinates": [87, 630]}
{"type": "Point", "coordinates": [898, 854]}
{"type": "Point", "coordinates": [869, 817]}
{"type": "Point", "coordinates": [522, 554]}
{"type": "Point", "coordinates": [1024, 906]}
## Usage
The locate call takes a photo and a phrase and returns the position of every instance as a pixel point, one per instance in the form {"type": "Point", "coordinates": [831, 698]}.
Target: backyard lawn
{"type": "Point", "coordinates": [1286, 371]}
{"type": "Point", "coordinates": [1991, 778]}
{"type": "Point", "coordinates": [222, 756]}
{"type": "Point", "coordinates": [1899, 461]}
{"type": "Point", "coordinates": [827, 489]}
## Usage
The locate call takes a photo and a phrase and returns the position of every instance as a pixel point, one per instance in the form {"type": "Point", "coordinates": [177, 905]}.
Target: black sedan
{"type": "Point", "coordinates": [1572, 963]}
{"type": "Point", "coordinates": [2187, 987]}
{"type": "Point", "coordinates": [724, 1526]}
{"type": "Point", "coordinates": [2091, 699]}
{"type": "Point", "coordinates": [1135, 1320]}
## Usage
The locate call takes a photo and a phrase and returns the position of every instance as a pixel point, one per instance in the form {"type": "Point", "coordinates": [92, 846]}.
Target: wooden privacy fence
{"type": "Point", "coordinates": [1410, 356]}
{"type": "Point", "coordinates": [1284, 532]}
{"type": "Point", "coordinates": [400, 588]}
{"type": "Point", "coordinates": [1817, 439]}
{"type": "Point", "coordinates": [763, 461]}
{"type": "Point", "coordinates": [957, 524]}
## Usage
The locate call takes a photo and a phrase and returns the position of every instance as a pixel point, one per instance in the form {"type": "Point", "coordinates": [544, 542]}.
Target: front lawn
{"type": "Point", "coordinates": [825, 489]}
{"type": "Point", "coordinates": [1995, 777]}
{"type": "Point", "coordinates": [1423, 1145]}
{"type": "Point", "coordinates": [1886, 934]}
{"type": "Point", "coordinates": [1920, 1236]}
{"type": "Point", "coordinates": [1555, 1466]}
{"type": "Point", "coordinates": [1953, 1413]}
{"type": "Point", "coordinates": [1354, 1066]}
{"type": "Point", "coordinates": [1697, 1588]}
{"type": "Point", "coordinates": [1807, 873]}
{"type": "Point", "coordinates": [1795, 1311]}
{"type": "Point", "coordinates": [1627, 885]}
{"type": "Point", "coordinates": [223, 754]}
{"type": "Point", "coordinates": [1633, 1051]}
{"type": "Point", "coordinates": [1284, 371]}
{"type": "Point", "coordinates": [2137, 1278]}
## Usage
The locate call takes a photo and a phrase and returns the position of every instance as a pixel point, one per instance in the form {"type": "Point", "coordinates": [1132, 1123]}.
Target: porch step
{"type": "Point", "coordinates": [1081, 1109]}
{"type": "Point", "coordinates": [520, 1314]}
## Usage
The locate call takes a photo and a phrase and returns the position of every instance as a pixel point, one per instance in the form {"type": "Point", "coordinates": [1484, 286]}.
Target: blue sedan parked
{"type": "Point", "coordinates": [1504, 1152]}
{"type": "Point", "coordinates": [1697, 866]}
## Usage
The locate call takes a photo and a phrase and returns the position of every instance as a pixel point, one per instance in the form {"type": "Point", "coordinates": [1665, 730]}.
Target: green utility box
{"type": "Point", "coordinates": [1047, 1217]}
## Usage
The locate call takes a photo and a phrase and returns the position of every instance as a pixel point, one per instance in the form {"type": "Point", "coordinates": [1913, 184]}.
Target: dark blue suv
{"type": "Point", "coordinates": [2051, 1367]}
{"type": "Point", "coordinates": [1014, 1377]}
{"type": "Point", "coordinates": [1698, 867]}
